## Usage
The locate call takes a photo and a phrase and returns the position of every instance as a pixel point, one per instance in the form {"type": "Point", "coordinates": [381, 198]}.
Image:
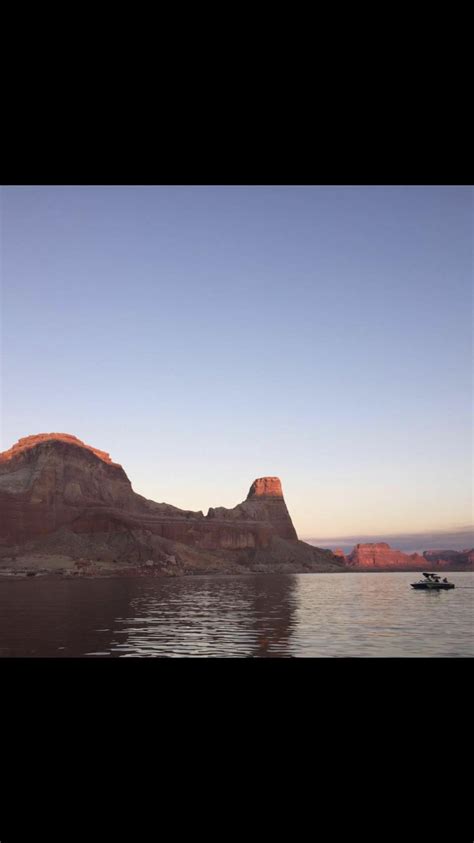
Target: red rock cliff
{"type": "Point", "coordinates": [30, 441]}
{"type": "Point", "coordinates": [264, 504]}
{"type": "Point", "coordinates": [381, 556]}
{"type": "Point", "coordinates": [55, 486]}
{"type": "Point", "coordinates": [265, 487]}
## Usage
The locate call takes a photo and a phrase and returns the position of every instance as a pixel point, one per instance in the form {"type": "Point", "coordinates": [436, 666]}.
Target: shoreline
{"type": "Point", "coordinates": [140, 573]}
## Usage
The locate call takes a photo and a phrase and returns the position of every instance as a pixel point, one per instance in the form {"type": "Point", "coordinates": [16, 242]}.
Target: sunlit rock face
{"type": "Point", "coordinates": [57, 492]}
{"type": "Point", "coordinates": [30, 441]}
{"type": "Point", "coordinates": [265, 487]}
{"type": "Point", "coordinates": [381, 556]}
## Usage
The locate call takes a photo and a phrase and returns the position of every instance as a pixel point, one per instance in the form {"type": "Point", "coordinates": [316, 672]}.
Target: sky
{"type": "Point", "coordinates": [205, 336]}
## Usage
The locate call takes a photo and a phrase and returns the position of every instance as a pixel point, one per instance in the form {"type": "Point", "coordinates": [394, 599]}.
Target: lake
{"type": "Point", "coordinates": [276, 615]}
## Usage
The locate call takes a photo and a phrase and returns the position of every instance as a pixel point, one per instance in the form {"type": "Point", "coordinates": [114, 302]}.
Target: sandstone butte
{"type": "Point", "coordinates": [65, 506]}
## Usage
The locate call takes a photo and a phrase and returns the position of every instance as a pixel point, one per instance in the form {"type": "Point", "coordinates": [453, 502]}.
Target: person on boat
{"type": "Point", "coordinates": [445, 580]}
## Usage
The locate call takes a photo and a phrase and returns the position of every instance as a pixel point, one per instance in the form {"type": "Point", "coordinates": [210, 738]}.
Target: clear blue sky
{"type": "Point", "coordinates": [205, 336]}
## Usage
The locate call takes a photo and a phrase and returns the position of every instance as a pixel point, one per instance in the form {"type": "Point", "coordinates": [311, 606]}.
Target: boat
{"type": "Point", "coordinates": [432, 582]}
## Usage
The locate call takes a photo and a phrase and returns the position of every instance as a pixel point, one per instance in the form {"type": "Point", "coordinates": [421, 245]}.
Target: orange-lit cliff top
{"type": "Point", "coordinates": [31, 441]}
{"type": "Point", "coordinates": [266, 487]}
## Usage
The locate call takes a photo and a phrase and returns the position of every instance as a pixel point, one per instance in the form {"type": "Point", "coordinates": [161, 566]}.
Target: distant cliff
{"type": "Point", "coordinates": [380, 556]}
{"type": "Point", "coordinates": [450, 559]}
{"type": "Point", "coordinates": [61, 498]}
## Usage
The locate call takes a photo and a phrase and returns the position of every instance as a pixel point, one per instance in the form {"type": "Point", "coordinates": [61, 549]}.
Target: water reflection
{"type": "Point", "coordinates": [238, 616]}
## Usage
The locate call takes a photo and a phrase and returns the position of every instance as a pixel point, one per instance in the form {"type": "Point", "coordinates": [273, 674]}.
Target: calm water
{"type": "Point", "coordinates": [255, 615]}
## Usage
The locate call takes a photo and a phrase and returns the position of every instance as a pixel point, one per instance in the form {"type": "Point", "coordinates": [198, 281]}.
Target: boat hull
{"type": "Point", "coordinates": [441, 586]}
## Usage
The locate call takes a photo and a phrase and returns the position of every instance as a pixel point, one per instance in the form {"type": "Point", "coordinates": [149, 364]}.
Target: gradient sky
{"type": "Point", "coordinates": [206, 336]}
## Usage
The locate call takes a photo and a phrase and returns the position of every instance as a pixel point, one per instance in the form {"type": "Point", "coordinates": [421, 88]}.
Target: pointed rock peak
{"type": "Point", "coordinates": [32, 441]}
{"type": "Point", "coordinates": [265, 487]}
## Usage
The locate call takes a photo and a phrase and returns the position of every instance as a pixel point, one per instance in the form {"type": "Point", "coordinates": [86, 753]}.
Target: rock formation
{"type": "Point", "coordinates": [450, 559]}
{"type": "Point", "coordinates": [62, 498]}
{"type": "Point", "coordinates": [380, 556]}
